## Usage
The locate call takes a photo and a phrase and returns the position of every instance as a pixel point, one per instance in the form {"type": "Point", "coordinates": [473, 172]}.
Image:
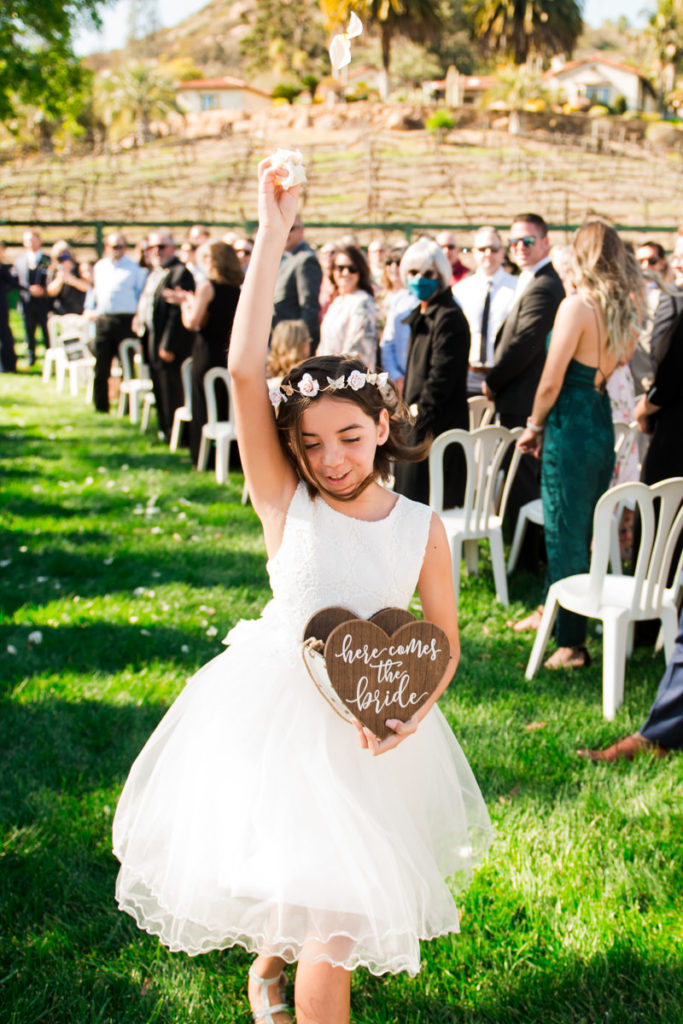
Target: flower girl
{"type": "Point", "coordinates": [255, 815]}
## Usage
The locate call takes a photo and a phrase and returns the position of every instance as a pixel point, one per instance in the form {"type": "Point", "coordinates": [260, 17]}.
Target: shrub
{"type": "Point", "coordinates": [283, 91]}
{"type": "Point", "coordinates": [440, 123]}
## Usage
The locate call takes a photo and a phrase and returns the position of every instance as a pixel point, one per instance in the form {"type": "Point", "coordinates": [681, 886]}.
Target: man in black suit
{"type": "Point", "coordinates": [168, 341]}
{"type": "Point", "coordinates": [520, 347]}
{"type": "Point", "coordinates": [8, 282]}
{"type": "Point", "coordinates": [30, 270]}
{"type": "Point", "coordinates": [663, 730]}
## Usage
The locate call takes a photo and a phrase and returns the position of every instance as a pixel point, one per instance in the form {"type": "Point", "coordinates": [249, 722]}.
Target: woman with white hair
{"type": "Point", "coordinates": [435, 386]}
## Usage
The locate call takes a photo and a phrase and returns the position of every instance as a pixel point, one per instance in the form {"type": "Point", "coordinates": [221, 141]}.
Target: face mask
{"type": "Point", "coordinates": [423, 287]}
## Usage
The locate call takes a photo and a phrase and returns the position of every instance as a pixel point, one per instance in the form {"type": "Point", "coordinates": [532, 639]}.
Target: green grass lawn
{"type": "Point", "coordinates": [121, 568]}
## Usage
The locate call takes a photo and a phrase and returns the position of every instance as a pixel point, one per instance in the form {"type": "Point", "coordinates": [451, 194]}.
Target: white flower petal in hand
{"type": "Point", "coordinates": [290, 163]}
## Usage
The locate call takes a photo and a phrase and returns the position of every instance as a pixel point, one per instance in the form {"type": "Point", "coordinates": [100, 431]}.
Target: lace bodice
{"type": "Point", "coordinates": [329, 558]}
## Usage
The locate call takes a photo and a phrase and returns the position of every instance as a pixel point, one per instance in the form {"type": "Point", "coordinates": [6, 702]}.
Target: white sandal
{"type": "Point", "coordinates": [265, 1014]}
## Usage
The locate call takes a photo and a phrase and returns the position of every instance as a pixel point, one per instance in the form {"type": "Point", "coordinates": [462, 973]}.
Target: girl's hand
{"type": "Point", "coordinates": [368, 741]}
{"type": "Point", "coordinates": [276, 206]}
{"type": "Point", "coordinates": [530, 442]}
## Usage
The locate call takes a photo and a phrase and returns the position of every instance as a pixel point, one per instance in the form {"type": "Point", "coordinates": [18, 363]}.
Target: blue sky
{"type": "Point", "coordinates": [173, 11]}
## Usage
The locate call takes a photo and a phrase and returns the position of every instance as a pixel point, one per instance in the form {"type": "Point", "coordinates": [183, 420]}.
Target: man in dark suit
{"type": "Point", "coordinates": [8, 282]}
{"type": "Point", "coordinates": [168, 341]}
{"type": "Point", "coordinates": [30, 270]}
{"type": "Point", "coordinates": [663, 730]}
{"type": "Point", "coordinates": [520, 347]}
{"type": "Point", "coordinates": [297, 291]}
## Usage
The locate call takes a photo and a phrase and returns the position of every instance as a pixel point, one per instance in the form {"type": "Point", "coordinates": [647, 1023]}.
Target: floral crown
{"type": "Point", "coordinates": [309, 387]}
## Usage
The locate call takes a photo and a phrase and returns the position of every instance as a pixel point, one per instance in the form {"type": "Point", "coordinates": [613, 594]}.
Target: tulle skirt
{"type": "Point", "coordinates": [251, 816]}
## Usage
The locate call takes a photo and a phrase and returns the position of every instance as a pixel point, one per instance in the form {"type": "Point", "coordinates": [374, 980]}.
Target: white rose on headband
{"type": "Point", "coordinates": [308, 387]}
{"type": "Point", "coordinates": [290, 164]}
{"type": "Point", "coordinates": [356, 380]}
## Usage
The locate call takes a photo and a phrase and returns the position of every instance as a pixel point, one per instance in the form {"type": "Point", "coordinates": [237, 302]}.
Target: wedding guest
{"type": "Point", "coordinates": [64, 284]}
{"type": "Point", "coordinates": [350, 325]}
{"type": "Point", "coordinates": [30, 270]}
{"type": "Point", "coordinates": [485, 298]}
{"type": "Point", "coordinates": [451, 250]}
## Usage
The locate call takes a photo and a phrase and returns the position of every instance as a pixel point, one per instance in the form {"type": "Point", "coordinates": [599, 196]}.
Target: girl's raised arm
{"type": "Point", "coordinates": [270, 477]}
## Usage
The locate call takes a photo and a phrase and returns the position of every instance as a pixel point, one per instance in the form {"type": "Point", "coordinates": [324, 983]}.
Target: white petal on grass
{"type": "Point", "coordinates": [11, 649]}
{"type": "Point", "coordinates": [5, 562]}
{"type": "Point", "coordinates": [156, 529]}
{"type": "Point", "coordinates": [211, 631]}
{"type": "Point", "coordinates": [185, 649]}
{"type": "Point", "coordinates": [23, 549]}
{"type": "Point", "coordinates": [35, 637]}
{"type": "Point", "coordinates": [138, 592]}
{"type": "Point", "coordinates": [108, 561]}
{"type": "Point", "coordinates": [88, 480]}
{"type": "Point", "coordinates": [41, 579]}
{"type": "Point", "coordinates": [133, 619]}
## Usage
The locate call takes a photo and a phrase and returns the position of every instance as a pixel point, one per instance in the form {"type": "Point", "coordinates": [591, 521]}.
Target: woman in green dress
{"type": "Point", "coordinates": [571, 419]}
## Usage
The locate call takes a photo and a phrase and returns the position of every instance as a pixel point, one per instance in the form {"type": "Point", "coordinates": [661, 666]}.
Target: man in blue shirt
{"type": "Point", "coordinates": [118, 285]}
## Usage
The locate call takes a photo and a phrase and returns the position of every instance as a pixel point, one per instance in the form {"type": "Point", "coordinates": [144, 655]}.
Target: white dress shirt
{"type": "Point", "coordinates": [118, 285]}
{"type": "Point", "coordinates": [470, 294]}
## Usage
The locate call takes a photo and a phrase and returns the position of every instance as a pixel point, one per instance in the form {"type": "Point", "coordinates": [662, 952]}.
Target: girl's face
{"type": "Point", "coordinates": [340, 440]}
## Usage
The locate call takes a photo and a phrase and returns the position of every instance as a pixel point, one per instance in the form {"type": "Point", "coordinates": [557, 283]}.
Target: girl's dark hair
{"type": "Point", "coordinates": [357, 257]}
{"type": "Point", "coordinates": [370, 398]}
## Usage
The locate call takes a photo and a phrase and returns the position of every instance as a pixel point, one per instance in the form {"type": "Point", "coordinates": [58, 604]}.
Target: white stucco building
{"type": "Point", "coordinates": [602, 80]}
{"type": "Point", "coordinates": [225, 93]}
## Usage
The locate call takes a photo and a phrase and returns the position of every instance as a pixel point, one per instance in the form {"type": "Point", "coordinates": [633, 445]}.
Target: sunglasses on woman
{"type": "Point", "coordinates": [350, 268]}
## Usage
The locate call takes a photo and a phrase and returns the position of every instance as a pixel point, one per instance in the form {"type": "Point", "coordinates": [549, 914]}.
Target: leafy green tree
{"type": "Point", "coordinates": [38, 67]}
{"type": "Point", "coordinates": [520, 28]}
{"type": "Point", "coordinates": [287, 36]}
{"type": "Point", "coordinates": [419, 20]}
{"type": "Point", "coordinates": [665, 31]}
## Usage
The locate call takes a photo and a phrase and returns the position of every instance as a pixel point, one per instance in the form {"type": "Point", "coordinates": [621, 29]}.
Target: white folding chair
{"type": "Point", "coordinates": [135, 380]}
{"type": "Point", "coordinates": [481, 411]}
{"type": "Point", "coordinates": [68, 351]}
{"type": "Point", "coordinates": [221, 432]}
{"type": "Point", "coordinates": [183, 413]}
{"type": "Point", "coordinates": [618, 601]}
{"type": "Point", "coordinates": [481, 517]}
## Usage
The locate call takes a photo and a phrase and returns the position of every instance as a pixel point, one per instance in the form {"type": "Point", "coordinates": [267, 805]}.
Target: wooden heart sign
{"type": "Point", "coordinates": [383, 668]}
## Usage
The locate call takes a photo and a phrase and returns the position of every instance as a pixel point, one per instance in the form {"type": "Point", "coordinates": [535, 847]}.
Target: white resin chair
{"type": "Point", "coordinates": [183, 413]}
{"type": "Point", "coordinates": [618, 601]}
{"type": "Point", "coordinates": [481, 411]}
{"type": "Point", "coordinates": [221, 432]}
{"type": "Point", "coordinates": [68, 351]}
{"type": "Point", "coordinates": [481, 517]}
{"type": "Point", "coordinates": [135, 380]}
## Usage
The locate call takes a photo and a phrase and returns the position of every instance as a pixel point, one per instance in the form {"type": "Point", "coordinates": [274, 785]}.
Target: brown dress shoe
{"type": "Point", "coordinates": [624, 749]}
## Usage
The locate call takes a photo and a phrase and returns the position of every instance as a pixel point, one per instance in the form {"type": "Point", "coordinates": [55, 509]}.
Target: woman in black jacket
{"type": "Point", "coordinates": [435, 387]}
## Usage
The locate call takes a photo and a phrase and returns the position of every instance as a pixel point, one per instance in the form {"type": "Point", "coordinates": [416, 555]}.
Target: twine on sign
{"type": "Point", "coordinates": [337, 705]}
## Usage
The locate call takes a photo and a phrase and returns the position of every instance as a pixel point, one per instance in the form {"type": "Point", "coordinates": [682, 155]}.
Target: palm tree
{"type": "Point", "coordinates": [419, 20]}
{"type": "Point", "coordinates": [518, 28]}
{"type": "Point", "coordinates": [132, 98]}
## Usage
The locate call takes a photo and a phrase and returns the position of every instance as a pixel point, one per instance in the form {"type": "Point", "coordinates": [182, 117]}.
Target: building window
{"type": "Point", "coordinates": [598, 94]}
{"type": "Point", "coordinates": [208, 101]}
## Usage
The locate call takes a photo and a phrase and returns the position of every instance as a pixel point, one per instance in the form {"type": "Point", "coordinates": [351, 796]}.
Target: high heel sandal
{"type": "Point", "coordinates": [265, 1014]}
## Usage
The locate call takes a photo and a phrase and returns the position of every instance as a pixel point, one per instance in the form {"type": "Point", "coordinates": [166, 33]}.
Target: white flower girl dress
{"type": "Point", "coordinates": [252, 816]}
